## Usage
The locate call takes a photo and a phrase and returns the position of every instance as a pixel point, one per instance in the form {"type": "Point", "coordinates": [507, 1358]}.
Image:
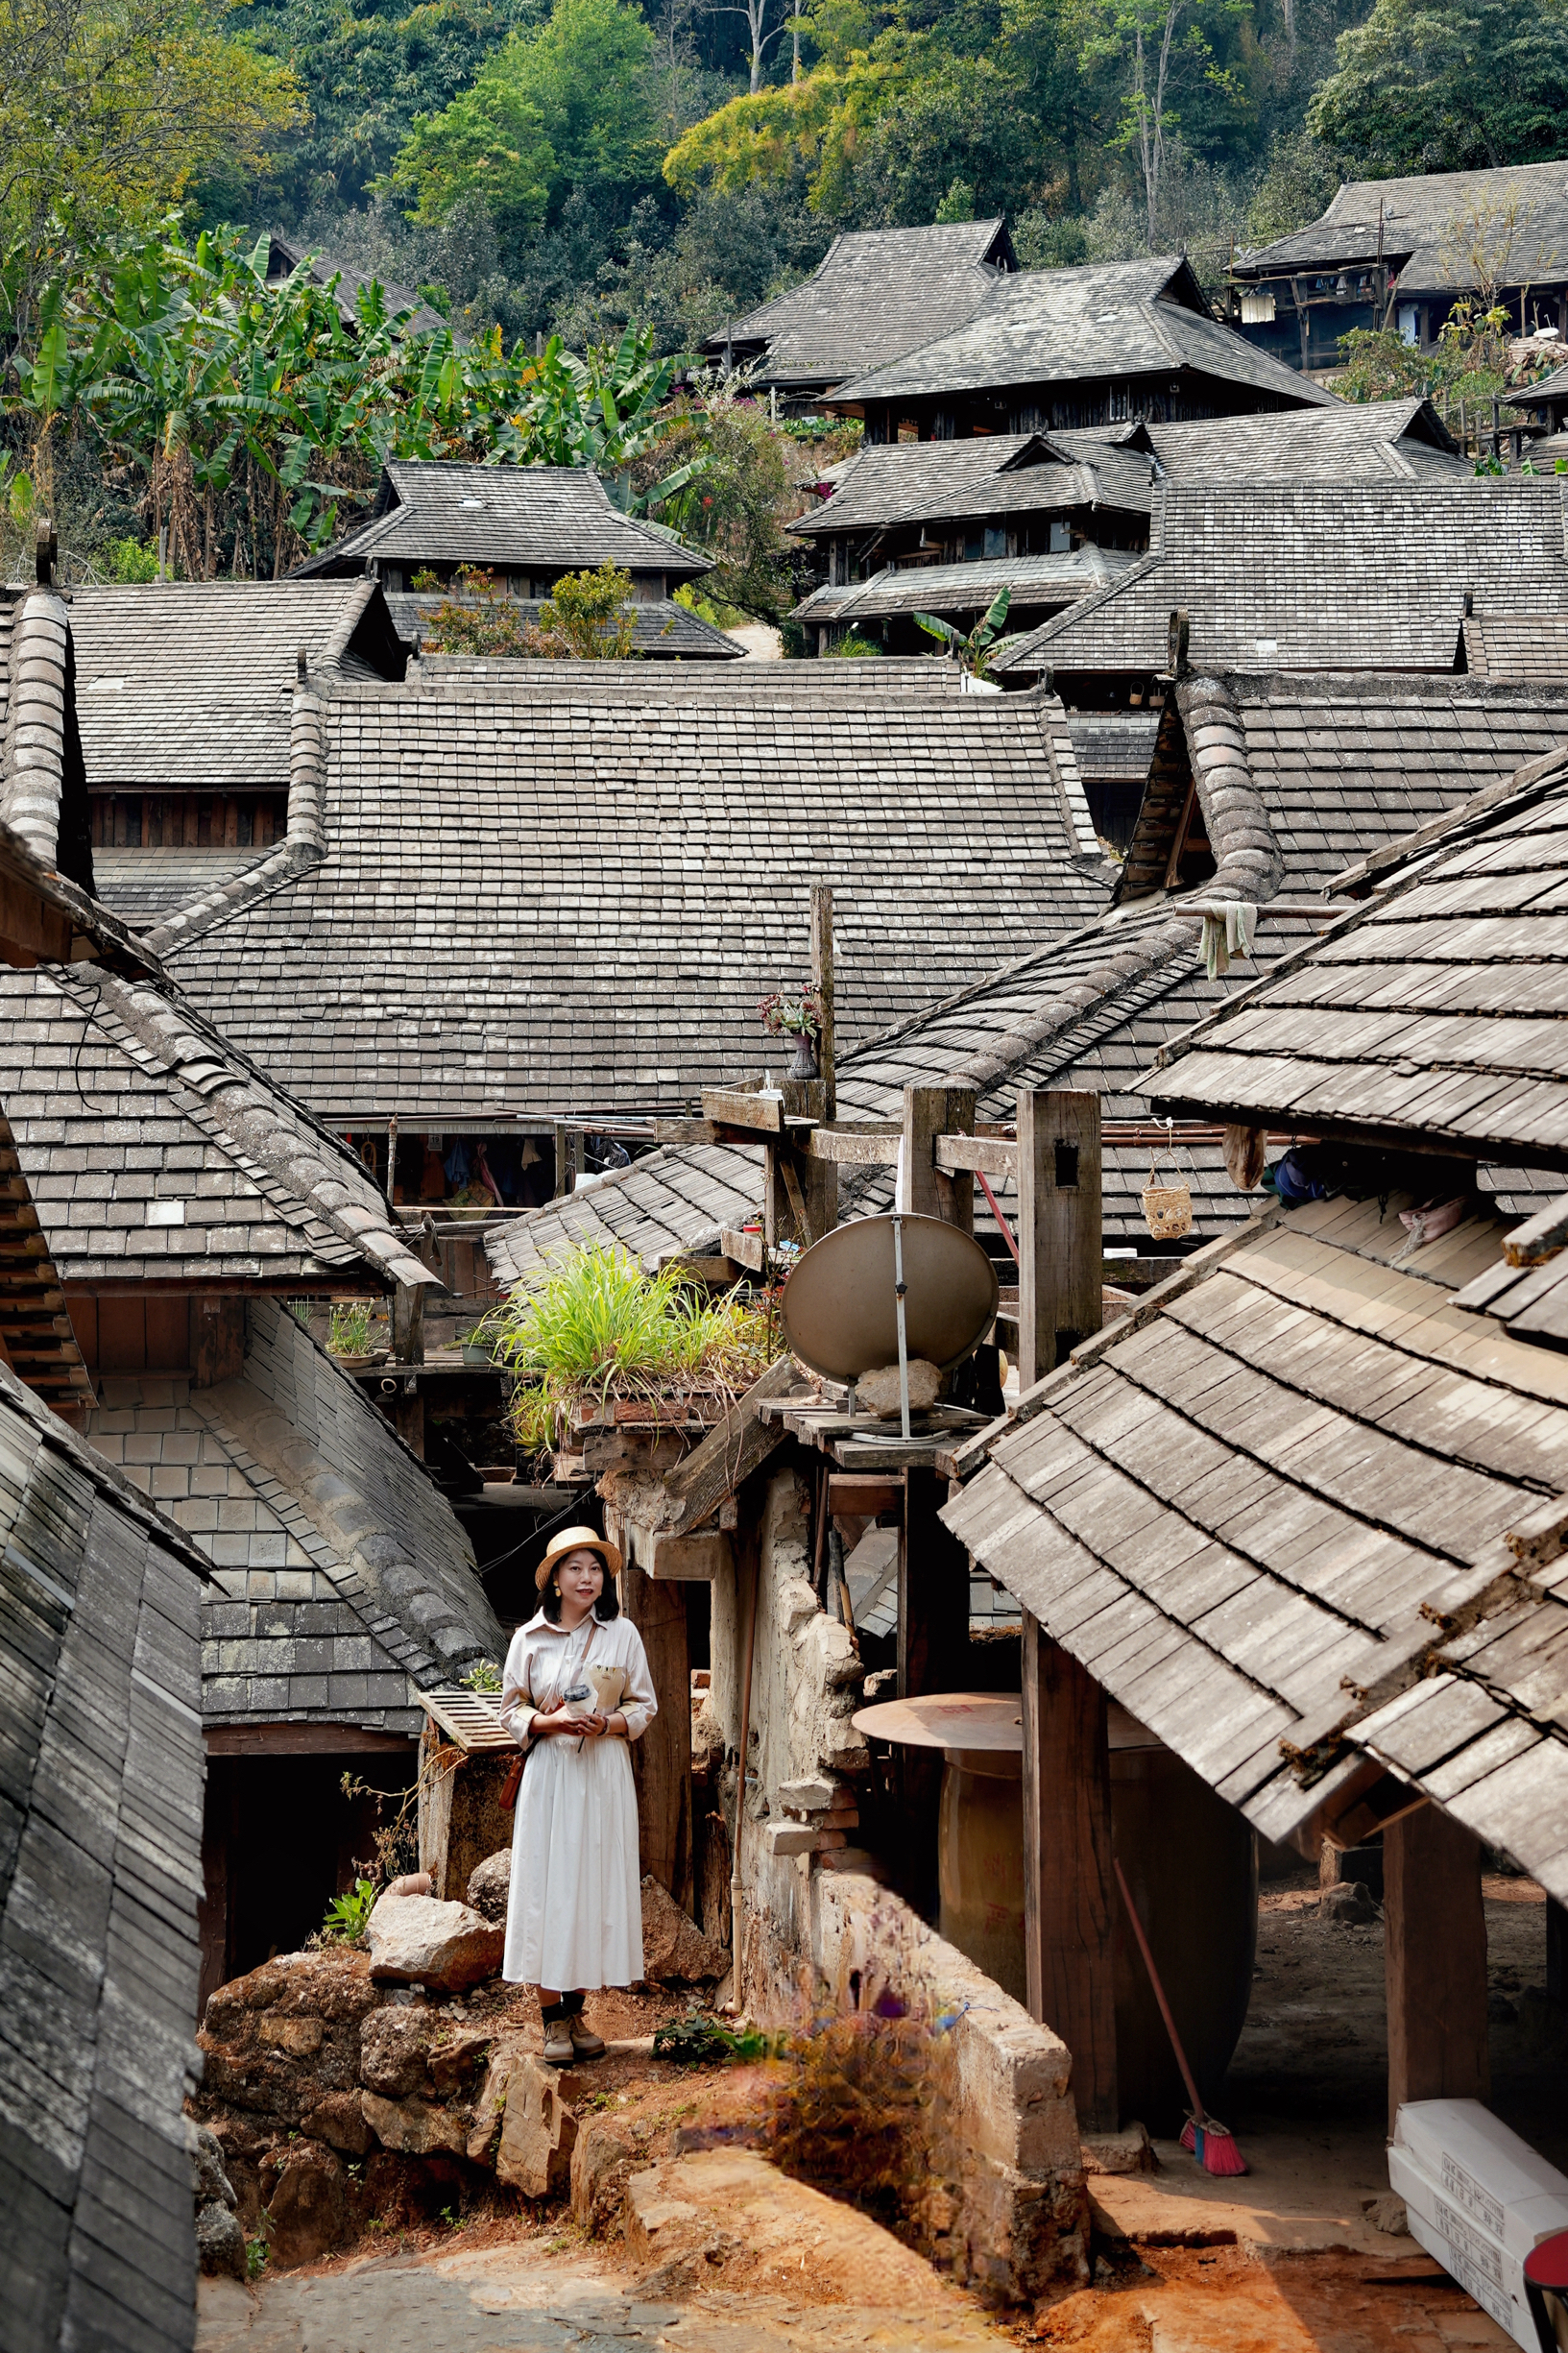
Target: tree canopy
{"type": "Point", "coordinates": [1440, 85]}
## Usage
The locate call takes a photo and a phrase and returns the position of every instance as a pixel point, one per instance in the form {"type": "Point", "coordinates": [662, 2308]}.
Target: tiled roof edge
{"type": "Point", "coordinates": [1130, 960]}
{"type": "Point", "coordinates": [1248, 858]}
{"type": "Point", "coordinates": [333, 651]}
{"type": "Point", "coordinates": [304, 846]}
{"type": "Point", "coordinates": [34, 751]}
{"type": "Point", "coordinates": [239, 1104]}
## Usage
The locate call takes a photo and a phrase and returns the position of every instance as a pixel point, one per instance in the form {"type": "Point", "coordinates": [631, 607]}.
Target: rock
{"type": "Point", "coordinates": [414, 1940]}
{"type": "Point", "coordinates": [456, 2059]}
{"type": "Point", "coordinates": [416, 2127]}
{"type": "Point", "coordinates": [1129, 2151]}
{"type": "Point", "coordinates": [340, 2121]}
{"type": "Point", "coordinates": [706, 1737]}
{"type": "Point", "coordinates": [220, 2242]}
{"type": "Point", "coordinates": [299, 2037]}
{"type": "Point", "coordinates": [489, 1883]}
{"type": "Point", "coordinates": [674, 1949]}
{"type": "Point", "coordinates": [1350, 1903]}
{"type": "Point", "coordinates": [877, 1393]}
{"type": "Point", "coordinates": [393, 2048]}
{"type": "Point", "coordinates": [601, 2161]}
{"type": "Point", "coordinates": [538, 2126]}
{"type": "Point", "coordinates": [1386, 2214]}
{"type": "Point", "coordinates": [212, 2184]}
{"type": "Point", "coordinates": [308, 2212]}
{"type": "Point", "coordinates": [276, 2042]}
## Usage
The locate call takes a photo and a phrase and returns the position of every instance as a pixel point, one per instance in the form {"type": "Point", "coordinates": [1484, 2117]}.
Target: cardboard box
{"type": "Point", "coordinates": [1478, 2198]}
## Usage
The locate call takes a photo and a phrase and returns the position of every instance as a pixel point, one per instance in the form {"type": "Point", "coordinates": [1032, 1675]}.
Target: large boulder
{"type": "Point", "coordinates": [675, 1952]}
{"type": "Point", "coordinates": [276, 2041]}
{"type": "Point", "coordinates": [489, 1883]}
{"type": "Point", "coordinates": [537, 2127]}
{"type": "Point", "coordinates": [339, 2121]}
{"type": "Point", "coordinates": [415, 2127]}
{"type": "Point", "coordinates": [414, 1940]}
{"type": "Point", "coordinates": [220, 2242]}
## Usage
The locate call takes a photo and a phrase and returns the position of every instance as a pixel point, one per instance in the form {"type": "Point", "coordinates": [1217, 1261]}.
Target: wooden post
{"type": "Point", "coordinates": [408, 1324]}
{"type": "Point", "coordinates": [1069, 1893]}
{"type": "Point", "coordinates": [408, 1417]}
{"type": "Point", "coordinates": [930, 1111]}
{"type": "Point", "coordinates": [661, 1759]}
{"type": "Point", "coordinates": [568, 1158]}
{"type": "Point", "coordinates": [933, 1592]}
{"type": "Point", "coordinates": [1434, 1960]}
{"type": "Point", "coordinates": [217, 1339]}
{"type": "Point", "coordinates": [800, 1196]}
{"type": "Point", "coordinates": [1059, 1230]}
{"type": "Point", "coordinates": [822, 974]}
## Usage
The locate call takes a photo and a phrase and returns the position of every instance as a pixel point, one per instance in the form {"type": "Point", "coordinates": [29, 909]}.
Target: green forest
{"type": "Point", "coordinates": [584, 190]}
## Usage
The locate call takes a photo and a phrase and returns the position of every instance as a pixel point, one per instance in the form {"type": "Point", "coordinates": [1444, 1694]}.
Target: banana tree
{"type": "Point", "coordinates": [972, 651]}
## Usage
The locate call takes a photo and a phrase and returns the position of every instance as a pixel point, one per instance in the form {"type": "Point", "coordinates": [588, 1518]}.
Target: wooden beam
{"type": "Point", "coordinates": [1060, 1236]}
{"type": "Point", "coordinates": [748, 1251]}
{"type": "Point", "coordinates": [929, 1112]}
{"type": "Point", "coordinates": [303, 1741]}
{"type": "Point", "coordinates": [933, 1592]}
{"type": "Point", "coordinates": [568, 1158]}
{"type": "Point", "coordinates": [1070, 1894]}
{"type": "Point", "coordinates": [690, 1559]}
{"type": "Point", "coordinates": [728, 1106]}
{"type": "Point", "coordinates": [408, 1324]}
{"type": "Point", "coordinates": [732, 1452]}
{"type": "Point", "coordinates": [990, 1153]}
{"type": "Point", "coordinates": [217, 1339]}
{"type": "Point", "coordinates": [870, 1146]}
{"type": "Point", "coordinates": [1434, 1960]}
{"type": "Point", "coordinates": [862, 1496]}
{"type": "Point", "coordinates": [822, 974]}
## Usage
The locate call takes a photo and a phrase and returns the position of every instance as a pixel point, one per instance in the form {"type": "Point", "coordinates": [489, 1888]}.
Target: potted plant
{"type": "Point", "coordinates": [352, 1335]}
{"type": "Point", "coordinates": [798, 1016]}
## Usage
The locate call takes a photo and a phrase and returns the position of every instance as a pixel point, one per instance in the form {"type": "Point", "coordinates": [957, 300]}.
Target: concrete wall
{"type": "Point", "coordinates": [820, 1930]}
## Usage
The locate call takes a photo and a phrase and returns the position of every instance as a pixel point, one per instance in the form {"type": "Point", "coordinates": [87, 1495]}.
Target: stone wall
{"type": "Point", "coordinates": [820, 1929]}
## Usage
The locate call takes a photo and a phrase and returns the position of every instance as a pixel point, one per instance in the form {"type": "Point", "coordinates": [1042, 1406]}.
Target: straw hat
{"type": "Point", "coordinates": [576, 1540]}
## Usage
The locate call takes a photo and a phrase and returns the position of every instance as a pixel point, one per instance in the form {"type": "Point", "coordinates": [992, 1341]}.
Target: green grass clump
{"type": "Point", "coordinates": [597, 1326]}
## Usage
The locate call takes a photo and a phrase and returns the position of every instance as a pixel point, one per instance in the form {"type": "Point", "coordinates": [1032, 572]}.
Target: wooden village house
{"type": "Point", "coordinates": [525, 526]}
{"type": "Point", "coordinates": [1054, 351]}
{"type": "Point", "coordinates": [943, 526]}
{"type": "Point", "coordinates": [1401, 254]}
{"type": "Point", "coordinates": [876, 294]}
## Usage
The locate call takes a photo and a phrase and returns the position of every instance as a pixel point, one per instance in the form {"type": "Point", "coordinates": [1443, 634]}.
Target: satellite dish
{"type": "Point", "coordinates": [840, 1313]}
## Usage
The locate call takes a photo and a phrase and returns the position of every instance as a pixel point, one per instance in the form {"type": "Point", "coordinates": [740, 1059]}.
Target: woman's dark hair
{"type": "Point", "coordinates": [605, 1608]}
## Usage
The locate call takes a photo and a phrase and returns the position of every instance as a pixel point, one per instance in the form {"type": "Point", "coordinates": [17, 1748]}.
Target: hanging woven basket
{"type": "Point", "coordinates": [1168, 1208]}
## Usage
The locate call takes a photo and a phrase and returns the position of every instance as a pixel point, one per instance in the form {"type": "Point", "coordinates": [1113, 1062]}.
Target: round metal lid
{"type": "Point", "coordinates": [839, 1310]}
{"type": "Point", "coordinates": [948, 1719]}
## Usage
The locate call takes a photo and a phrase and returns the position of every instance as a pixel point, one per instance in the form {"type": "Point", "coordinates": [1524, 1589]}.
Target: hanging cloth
{"type": "Point", "coordinates": [1227, 932]}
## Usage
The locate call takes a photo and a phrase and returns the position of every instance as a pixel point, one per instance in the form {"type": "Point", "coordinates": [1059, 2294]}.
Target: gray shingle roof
{"type": "Point", "coordinates": [1276, 1609]}
{"type": "Point", "coordinates": [101, 1773]}
{"type": "Point", "coordinates": [186, 685]}
{"type": "Point", "coordinates": [343, 1582]}
{"type": "Point", "coordinates": [287, 252]}
{"type": "Point", "coordinates": [664, 631]}
{"type": "Point", "coordinates": [1119, 319]}
{"type": "Point", "coordinates": [816, 685]}
{"type": "Point", "coordinates": [144, 886]}
{"type": "Point", "coordinates": [1290, 773]}
{"type": "Point", "coordinates": [155, 1152]}
{"type": "Point", "coordinates": [533, 903]}
{"type": "Point", "coordinates": [559, 517]}
{"type": "Point", "coordinates": [1438, 1014]}
{"type": "Point", "coordinates": [1527, 649]}
{"type": "Point", "coordinates": [950, 589]}
{"type": "Point", "coordinates": [874, 295]}
{"type": "Point", "coordinates": [990, 474]}
{"type": "Point", "coordinates": [1418, 217]}
{"type": "Point", "coordinates": [1307, 577]}
{"type": "Point", "coordinates": [1367, 441]}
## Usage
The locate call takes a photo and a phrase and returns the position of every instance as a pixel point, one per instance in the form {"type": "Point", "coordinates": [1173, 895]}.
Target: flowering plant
{"type": "Point", "coordinates": [797, 1015]}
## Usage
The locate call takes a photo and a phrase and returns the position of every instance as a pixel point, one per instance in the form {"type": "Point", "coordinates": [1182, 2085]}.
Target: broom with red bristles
{"type": "Point", "coordinates": [1212, 2144]}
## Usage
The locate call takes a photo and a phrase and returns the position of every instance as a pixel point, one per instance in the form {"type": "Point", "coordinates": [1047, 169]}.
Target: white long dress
{"type": "Point", "coordinates": [574, 1910]}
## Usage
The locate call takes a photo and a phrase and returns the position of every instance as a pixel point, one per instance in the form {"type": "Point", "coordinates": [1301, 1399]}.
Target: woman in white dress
{"type": "Point", "coordinates": [574, 1910]}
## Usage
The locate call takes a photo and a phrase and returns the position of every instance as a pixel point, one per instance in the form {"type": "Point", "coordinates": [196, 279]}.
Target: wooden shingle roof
{"type": "Point", "coordinates": [534, 902]}
{"type": "Point", "coordinates": [876, 294]}
{"type": "Point", "coordinates": [1355, 440]}
{"type": "Point", "coordinates": [1436, 1017]}
{"type": "Point", "coordinates": [155, 1152]}
{"type": "Point", "coordinates": [1367, 576]}
{"type": "Point", "coordinates": [187, 683]}
{"type": "Point", "coordinates": [1281, 1513]}
{"type": "Point", "coordinates": [341, 1582]}
{"type": "Point", "coordinates": [998, 473]}
{"type": "Point", "coordinates": [558, 517]}
{"type": "Point", "coordinates": [1117, 319]}
{"type": "Point", "coordinates": [101, 1773]}
{"type": "Point", "coordinates": [1421, 235]}
{"type": "Point", "coordinates": [661, 630]}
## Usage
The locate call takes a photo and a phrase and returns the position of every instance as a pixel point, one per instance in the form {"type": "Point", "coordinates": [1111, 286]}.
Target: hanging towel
{"type": "Point", "coordinates": [1227, 932]}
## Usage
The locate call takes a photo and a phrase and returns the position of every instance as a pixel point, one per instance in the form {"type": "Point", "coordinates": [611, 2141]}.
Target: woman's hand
{"type": "Point", "coordinates": [593, 1727]}
{"type": "Point", "coordinates": [560, 1719]}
